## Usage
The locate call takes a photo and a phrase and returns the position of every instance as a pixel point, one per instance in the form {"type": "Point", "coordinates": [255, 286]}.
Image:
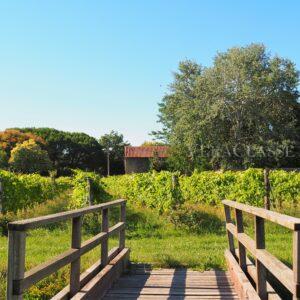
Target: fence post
{"type": "Point", "coordinates": [267, 189]}
{"type": "Point", "coordinates": [261, 272]}
{"type": "Point", "coordinates": [104, 244]}
{"type": "Point", "coordinates": [229, 234]}
{"type": "Point", "coordinates": [242, 249]}
{"type": "Point", "coordinates": [89, 194]}
{"type": "Point", "coordinates": [75, 265]}
{"type": "Point", "coordinates": [16, 262]}
{"type": "Point", "coordinates": [296, 263]}
{"type": "Point", "coordinates": [1, 197]}
{"type": "Point", "coordinates": [122, 231]}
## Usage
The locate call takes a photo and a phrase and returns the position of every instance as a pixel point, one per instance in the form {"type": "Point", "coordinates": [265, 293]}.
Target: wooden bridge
{"type": "Point", "coordinates": [113, 277]}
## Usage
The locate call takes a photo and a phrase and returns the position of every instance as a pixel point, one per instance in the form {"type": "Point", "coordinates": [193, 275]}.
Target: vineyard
{"type": "Point", "coordinates": [162, 191]}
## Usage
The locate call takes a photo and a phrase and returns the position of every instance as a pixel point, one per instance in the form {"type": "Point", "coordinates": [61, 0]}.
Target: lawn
{"type": "Point", "coordinates": [152, 238]}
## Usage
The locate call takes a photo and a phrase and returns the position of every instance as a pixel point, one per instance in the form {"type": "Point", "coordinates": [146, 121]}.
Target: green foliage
{"type": "Point", "coordinates": [241, 112]}
{"type": "Point", "coordinates": [156, 190]}
{"type": "Point", "coordinates": [80, 182]}
{"type": "Point", "coordinates": [28, 157]}
{"type": "Point", "coordinates": [157, 163]}
{"type": "Point", "coordinates": [24, 191]}
{"type": "Point", "coordinates": [70, 150]}
{"type": "Point", "coordinates": [3, 159]}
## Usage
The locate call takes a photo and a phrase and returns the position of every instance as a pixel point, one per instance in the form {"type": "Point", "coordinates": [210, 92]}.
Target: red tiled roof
{"type": "Point", "coordinates": [146, 151]}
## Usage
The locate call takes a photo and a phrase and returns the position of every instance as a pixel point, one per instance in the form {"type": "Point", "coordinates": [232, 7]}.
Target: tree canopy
{"type": "Point", "coordinates": [242, 111]}
{"type": "Point", "coordinates": [28, 157]}
{"type": "Point", "coordinates": [71, 150]}
{"type": "Point", "coordinates": [9, 138]}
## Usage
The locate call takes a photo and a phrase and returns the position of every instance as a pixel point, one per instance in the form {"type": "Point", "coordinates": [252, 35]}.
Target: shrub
{"type": "Point", "coordinates": [28, 157]}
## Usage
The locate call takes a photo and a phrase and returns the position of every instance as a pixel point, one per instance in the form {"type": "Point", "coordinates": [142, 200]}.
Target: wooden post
{"type": "Point", "coordinates": [267, 189]}
{"type": "Point", "coordinates": [1, 197]}
{"type": "Point", "coordinates": [75, 265]}
{"type": "Point", "coordinates": [104, 244]}
{"type": "Point", "coordinates": [122, 232]}
{"type": "Point", "coordinates": [241, 247]}
{"type": "Point", "coordinates": [16, 262]}
{"type": "Point", "coordinates": [296, 263]}
{"type": "Point", "coordinates": [229, 234]}
{"type": "Point", "coordinates": [261, 272]}
{"type": "Point", "coordinates": [89, 195]}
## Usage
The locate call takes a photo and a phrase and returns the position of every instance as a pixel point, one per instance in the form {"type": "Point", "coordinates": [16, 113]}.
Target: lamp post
{"type": "Point", "coordinates": [108, 150]}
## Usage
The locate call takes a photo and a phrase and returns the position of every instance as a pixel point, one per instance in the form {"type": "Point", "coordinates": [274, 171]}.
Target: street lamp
{"type": "Point", "coordinates": [108, 150]}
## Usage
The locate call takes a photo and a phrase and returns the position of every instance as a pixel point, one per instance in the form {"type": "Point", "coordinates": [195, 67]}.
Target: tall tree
{"type": "Point", "coordinates": [113, 145]}
{"type": "Point", "coordinates": [71, 150]}
{"type": "Point", "coordinates": [243, 111]}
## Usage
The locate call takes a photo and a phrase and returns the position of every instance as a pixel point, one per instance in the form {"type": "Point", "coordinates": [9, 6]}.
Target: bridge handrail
{"type": "Point", "coordinates": [264, 261]}
{"type": "Point", "coordinates": [18, 280]}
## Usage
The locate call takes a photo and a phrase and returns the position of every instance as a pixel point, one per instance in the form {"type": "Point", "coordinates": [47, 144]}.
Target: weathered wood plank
{"type": "Point", "coordinates": [16, 264]}
{"type": "Point", "coordinates": [86, 276]}
{"type": "Point", "coordinates": [243, 286]}
{"type": "Point", "coordinates": [283, 220]}
{"type": "Point", "coordinates": [282, 272]}
{"type": "Point", "coordinates": [229, 234]}
{"type": "Point", "coordinates": [242, 248]}
{"type": "Point", "coordinates": [75, 265]}
{"type": "Point", "coordinates": [122, 231]}
{"type": "Point", "coordinates": [296, 263]}
{"type": "Point", "coordinates": [104, 243]}
{"type": "Point", "coordinates": [172, 291]}
{"type": "Point", "coordinates": [41, 221]}
{"type": "Point", "coordinates": [164, 297]}
{"type": "Point", "coordinates": [97, 287]}
{"type": "Point", "coordinates": [261, 272]}
{"type": "Point", "coordinates": [45, 269]}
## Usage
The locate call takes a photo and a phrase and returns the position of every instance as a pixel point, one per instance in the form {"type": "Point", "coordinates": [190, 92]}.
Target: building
{"type": "Point", "coordinates": [137, 159]}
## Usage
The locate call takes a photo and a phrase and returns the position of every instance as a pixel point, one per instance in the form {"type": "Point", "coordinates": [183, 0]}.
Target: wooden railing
{"type": "Point", "coordinates": [18, 280]}
{"type": "Point", "coordinates": [264, 261]}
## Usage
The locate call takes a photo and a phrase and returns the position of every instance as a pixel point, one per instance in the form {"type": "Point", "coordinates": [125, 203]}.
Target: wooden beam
{"type": "Point", "coordinates": [229, 234]}
{"type": "Point", "coordinates": [283, 220]}
{"type": "Point", "coordinates": [282, 272]}
{"type": "Point", "coordinates": [86, 276]}
{"type": "Point", "coordinates": [41, 221]}
{"type": "Point", "coordinates": [16, 264]}
{"type": "Point", "coordinates": [104, 243]}
{"type": "Point", "coordinates": [241, 247]}
{"type": "Point", "coordinates": [75, 265]}
{"type": "Point", "coordinates": [296, 263]}
{"type": "Point", "coordinates": [122, 231]}
{"type": "Point", "coordinates": [261, 272]}
{"type": "Point", "coordinates": [243, 286]}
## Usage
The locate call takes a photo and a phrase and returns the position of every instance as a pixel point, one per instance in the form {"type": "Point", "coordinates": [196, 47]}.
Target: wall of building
{"type": "Point", "coordinates": [136, 165]}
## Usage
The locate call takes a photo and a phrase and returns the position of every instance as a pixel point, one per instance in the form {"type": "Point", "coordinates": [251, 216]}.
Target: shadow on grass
{"type": "Point", "coordinates": [197, 221]}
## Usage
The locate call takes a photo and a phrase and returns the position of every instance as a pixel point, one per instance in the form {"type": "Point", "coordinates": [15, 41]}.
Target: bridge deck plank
{"type": "Point", "coordinates": [143, 283]}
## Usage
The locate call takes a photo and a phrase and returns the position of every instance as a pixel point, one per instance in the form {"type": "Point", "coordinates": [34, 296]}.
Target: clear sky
{"type": "Point", "coordinates": [95, 66]}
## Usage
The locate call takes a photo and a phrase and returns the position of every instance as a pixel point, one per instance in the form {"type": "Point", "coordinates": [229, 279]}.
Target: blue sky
{"type": "Point", "coordinates": [97, 66]}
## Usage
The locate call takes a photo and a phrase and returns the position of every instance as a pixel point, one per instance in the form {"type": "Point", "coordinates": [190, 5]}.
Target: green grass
{"type": "Point", "coordinates": [198, 241]}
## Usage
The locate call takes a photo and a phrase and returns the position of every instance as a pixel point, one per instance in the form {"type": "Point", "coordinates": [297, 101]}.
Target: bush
{"type": "Point", "coordinates": [29, 157]}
